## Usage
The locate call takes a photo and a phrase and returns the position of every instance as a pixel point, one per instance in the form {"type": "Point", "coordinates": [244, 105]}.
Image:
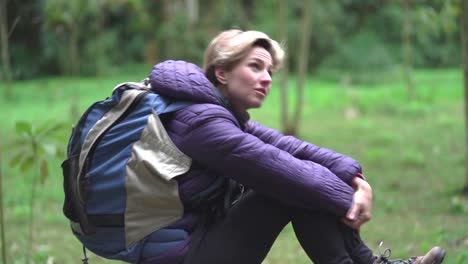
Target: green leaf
{"type": "Point", "coordinates": [23, 127]}
{"type": "Point", "coordinates": [40, 152]}
{"type": "Point", "coordinates": [43, 127]}
{"type": "Point", "coordinates": [50, 149]}
{"type": "Point", "coordinates": [51, 128]}
{"type": "Point", "coordinates": [16, 160]}
{"type": "Point", "coordinates": [61, 153]}
{"type": "Point", "coordinates": [19, 142]}
{"type": "Point", "coordinates": [26, 165]}
{"type": "Point", "coordinates": [44, 171]}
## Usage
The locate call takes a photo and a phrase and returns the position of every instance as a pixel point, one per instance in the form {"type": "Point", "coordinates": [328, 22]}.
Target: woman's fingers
{"type": "Point", "coordinates": [360, 211]}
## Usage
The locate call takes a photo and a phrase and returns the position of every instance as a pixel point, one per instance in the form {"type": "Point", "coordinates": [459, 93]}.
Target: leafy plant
{"type": "Point", "coordinates": [34, 146]}
{"type": "Point", "coordinates": [462, 258]}
{"type": "Point", "coordinates": [458, 205]}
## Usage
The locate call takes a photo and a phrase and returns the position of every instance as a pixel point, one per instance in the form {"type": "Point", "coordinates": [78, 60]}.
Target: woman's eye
{"type": "Point", "coordinates": [255, 66]}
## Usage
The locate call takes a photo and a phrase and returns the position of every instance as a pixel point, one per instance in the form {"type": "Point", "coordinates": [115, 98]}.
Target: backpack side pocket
{"type": "Point", "coordinates": [73, 208]}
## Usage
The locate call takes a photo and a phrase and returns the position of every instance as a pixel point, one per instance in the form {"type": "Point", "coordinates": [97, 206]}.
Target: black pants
{"type": "Point", "coordinates": [245, 235]}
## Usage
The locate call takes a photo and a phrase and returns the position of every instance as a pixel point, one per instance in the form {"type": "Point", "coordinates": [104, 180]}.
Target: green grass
{"type": "Point", "coordinates": [412, 152]}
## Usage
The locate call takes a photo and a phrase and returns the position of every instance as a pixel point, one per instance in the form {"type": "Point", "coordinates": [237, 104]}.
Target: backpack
{"type": "Point", "coordinates": [119, 175]}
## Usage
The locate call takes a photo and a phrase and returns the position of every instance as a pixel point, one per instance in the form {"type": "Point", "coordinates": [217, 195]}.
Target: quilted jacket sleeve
{"type": "Point", "coordinates": [214, 140]}
{"type": "Point", "coordinates": [342, 166]}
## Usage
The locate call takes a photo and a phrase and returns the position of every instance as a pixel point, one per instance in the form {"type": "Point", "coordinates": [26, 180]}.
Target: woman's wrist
{"type": "Point", "coordinates": [359, 183]}
{"type": "Point", "coordinates": [360, 175]}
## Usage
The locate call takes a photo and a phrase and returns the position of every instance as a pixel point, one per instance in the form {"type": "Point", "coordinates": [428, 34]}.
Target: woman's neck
{"type": "Point", "coordinates": [241, 115]}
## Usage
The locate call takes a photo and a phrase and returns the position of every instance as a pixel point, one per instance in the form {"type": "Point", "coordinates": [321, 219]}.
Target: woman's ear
{"type": "Point", "coordinates": [221, 75]}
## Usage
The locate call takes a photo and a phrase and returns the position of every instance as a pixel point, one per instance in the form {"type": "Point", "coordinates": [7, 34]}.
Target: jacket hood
{"type": "Point", "coordinates": [183, 81]}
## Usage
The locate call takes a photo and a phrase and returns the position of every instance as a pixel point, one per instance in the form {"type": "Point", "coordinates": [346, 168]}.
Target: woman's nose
{"type": "Point", "coordinates": [266, 78]}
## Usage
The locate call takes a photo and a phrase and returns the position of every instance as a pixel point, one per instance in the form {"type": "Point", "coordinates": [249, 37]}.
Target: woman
{"type": "Point", "coordinates": [277, 179]}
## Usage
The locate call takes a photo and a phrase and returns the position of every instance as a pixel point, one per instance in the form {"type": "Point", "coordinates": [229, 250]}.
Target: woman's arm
{"type": "Point", "coordinates": [342, 166]}
{"type": "Point", "coordinates": [213, 139]}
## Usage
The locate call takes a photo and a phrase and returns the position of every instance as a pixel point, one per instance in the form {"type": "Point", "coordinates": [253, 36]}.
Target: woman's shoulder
{"type": "Point", "coordinates": [205, 108]}
{"type": "Point", "coordinates": [198, 112]}
{"type": "Point", "coordinates": [182, 80]}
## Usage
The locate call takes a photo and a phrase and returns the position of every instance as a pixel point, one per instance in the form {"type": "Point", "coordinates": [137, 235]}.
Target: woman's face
{"type": "Point", "coordinates": [249, 82]}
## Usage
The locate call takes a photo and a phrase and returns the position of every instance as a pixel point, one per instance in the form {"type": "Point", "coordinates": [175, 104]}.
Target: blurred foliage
{"type": "Point", "coordinates": [2, 208]}
{"type": "Point", "coordinates": [459, 205]}
{"type": "Point", "coordinates": [364, 59]}
{"type": "Point", "coordinates": [33, 148]}
{"type": "Point", "coordinates": [82, 37]}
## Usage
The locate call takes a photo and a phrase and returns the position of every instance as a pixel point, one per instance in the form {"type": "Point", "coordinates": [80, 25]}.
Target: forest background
{"type": "Point", "coordinates": [379, 80]}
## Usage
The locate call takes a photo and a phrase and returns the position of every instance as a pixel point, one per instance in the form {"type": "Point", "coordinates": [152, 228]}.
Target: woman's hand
{"type": "Point", "coordinates": [360, 211]}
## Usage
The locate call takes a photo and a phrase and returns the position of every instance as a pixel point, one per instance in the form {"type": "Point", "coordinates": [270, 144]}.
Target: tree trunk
{"type": "Point", "coordinates": [73, 50]}
{"type": "Point", "coordinates": [2, 223]}
{"type": "Point", "coordinates": [100, 56]}
{"type": "Point", "coordinates": [407, 49]}
{"type": "Point", "coordinates": [284, 74]}
{"type": "Point", "coordinates": [210, 24]}
{"type": "Point", "coordinates": [150, 51]}
{"type": "Point", "coordinates": [32, 200]}
{"type": "Point", "coordinates": [5, 49]}
{"type": "Point", "coordinates": [167, 7]}
{"type": "Point", "coordinates": [192, 11]}
{"type": "Point", "coordinates": [302, 65]}
{"type": "Point", "coordinates": [464, 45]}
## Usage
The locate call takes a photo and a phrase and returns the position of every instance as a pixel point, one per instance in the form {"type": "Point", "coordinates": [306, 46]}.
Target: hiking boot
{"type": "Point", "coordinates": [434, 256]}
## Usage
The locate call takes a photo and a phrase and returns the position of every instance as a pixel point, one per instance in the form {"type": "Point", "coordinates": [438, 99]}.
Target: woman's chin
{"type": "Point", "coordinates": [251, 105]}
{"type": "Point", "coordinates": [255, 106]}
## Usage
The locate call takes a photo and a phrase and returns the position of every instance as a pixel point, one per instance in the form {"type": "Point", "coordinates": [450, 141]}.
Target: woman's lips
{"type": "Point", "coordinates": [261, 91]}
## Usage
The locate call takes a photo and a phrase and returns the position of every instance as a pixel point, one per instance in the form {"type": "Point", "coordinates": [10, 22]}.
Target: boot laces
{"type": "Point", "coordinates": [384, 257]}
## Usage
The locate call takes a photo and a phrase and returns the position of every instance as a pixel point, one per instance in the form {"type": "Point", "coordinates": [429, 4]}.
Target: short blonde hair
{"type": "Point", "coordinates": [229, 47]}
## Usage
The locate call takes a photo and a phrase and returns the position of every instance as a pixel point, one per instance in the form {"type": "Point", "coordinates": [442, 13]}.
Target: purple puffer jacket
{"type": "Point", "coordinates": [282, 167]}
